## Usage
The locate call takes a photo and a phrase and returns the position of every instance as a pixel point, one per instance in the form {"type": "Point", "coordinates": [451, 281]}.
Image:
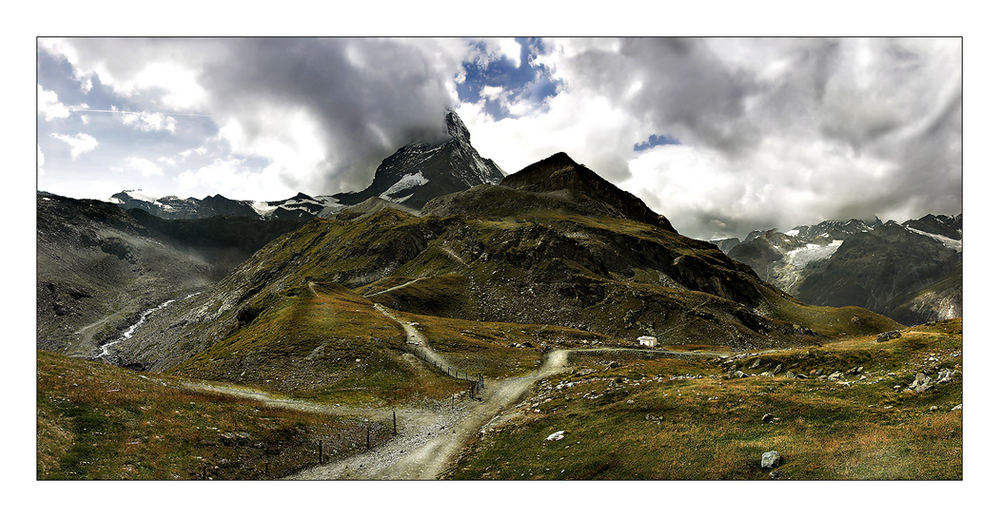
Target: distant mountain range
{"type": "Point", "coordinates": [911, 271]}
{"type": "Point", "coordinates": [410, 177]}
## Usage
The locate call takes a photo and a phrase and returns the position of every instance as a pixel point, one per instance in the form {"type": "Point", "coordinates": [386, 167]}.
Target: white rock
{"type": "Point", "coordinates": [770, 459]}
{"type": "Point", "coordinates": [557, 436]}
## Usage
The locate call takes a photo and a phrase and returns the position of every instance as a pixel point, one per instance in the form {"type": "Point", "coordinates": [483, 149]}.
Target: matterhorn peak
{"type": "Point", "coordinates": [455, 127]}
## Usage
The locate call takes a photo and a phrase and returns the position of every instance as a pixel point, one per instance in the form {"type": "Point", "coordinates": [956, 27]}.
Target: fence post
{"type": "Point", "coordinates": [394, 422]}
{"type": "Point", "coordinates": [368, 437]}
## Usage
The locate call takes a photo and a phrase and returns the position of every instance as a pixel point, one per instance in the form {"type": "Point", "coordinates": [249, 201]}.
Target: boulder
{"type": "Point", "coordinates": [770, 459]}
{"type": "Point", "coordinates": [888, 335]}
{"type": "Point", "coordinates": [768, 418]}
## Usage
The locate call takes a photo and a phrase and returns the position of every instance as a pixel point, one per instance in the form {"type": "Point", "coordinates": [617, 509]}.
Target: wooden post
{"type": "Point", "coordinates": [453, 401]}
{"type": "Point", "coordinates": [394, 422]}
{"type": "Point", "coordinates": [368, 437]}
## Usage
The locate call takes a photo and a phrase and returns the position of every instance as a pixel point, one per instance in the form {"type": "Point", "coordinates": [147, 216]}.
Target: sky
{"type": "Point", "coordinates": [722, 136]}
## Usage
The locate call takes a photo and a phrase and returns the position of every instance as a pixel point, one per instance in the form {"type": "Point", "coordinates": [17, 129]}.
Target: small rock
{"type": "Point", "coordinates": [920, 383]}
{"type": "Point", "coordinates": [888, 335]}
{"type": "Point", "coordinates": [755, 364]}
{"type": "Point", "coordinates": [557, 436]}
{"type": "Point", "coordinates": [767, 418]}
{"type": "Point", "coordinates": [770, 459]}
{"type": "Point", "coordinates": [775, 475]}
{"type": "Point", "coordinates": [956, 407]}
{"type": "Point", "coordinates": [741, 374]}
{"type": "Point", "coordinates": [934, 408]}
{"type": "Point", "coordinates": [835, 376]}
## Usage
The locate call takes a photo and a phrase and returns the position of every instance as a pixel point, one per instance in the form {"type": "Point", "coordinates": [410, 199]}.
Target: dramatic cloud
{"type": "Point", "coordinates": [722, 136]}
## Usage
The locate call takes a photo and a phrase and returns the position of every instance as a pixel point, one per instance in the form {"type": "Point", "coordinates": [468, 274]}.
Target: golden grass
{"type": "Point", "coordinates": [101, 422]}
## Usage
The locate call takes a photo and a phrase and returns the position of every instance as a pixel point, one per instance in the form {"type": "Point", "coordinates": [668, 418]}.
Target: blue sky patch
{"type": "Point", "coordinates": [523, 82]}
{"type": "Point", "coordinates": [656, 140]}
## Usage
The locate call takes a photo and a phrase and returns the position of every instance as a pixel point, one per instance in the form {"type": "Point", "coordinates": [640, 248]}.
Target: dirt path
{"type": "Point", "coordinates": [454, 256]}
{"type": "Point", "coordinates": [425, 454]}
{"type": "Point", "coordinates": [421, 347]}
{"type": "Point", "coordinates": [429, 437]}
{"type": "Point", "coordinates": [405, 284]}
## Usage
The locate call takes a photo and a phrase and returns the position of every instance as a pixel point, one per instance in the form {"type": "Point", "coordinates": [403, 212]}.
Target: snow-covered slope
{"type": "Point", "coordinates": [907, 271]}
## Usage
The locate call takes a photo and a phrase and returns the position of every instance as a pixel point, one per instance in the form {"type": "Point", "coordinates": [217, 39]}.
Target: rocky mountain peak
{"type": "Point", "coordinates": [559, 172]}
{"type": "Point", "coordinates": [455, 127]}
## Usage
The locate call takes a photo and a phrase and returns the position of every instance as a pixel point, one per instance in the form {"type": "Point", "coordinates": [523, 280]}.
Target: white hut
{"type": "Point", "coordinates": [648, 341]}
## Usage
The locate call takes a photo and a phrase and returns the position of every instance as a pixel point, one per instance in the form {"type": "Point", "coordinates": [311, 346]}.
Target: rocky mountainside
{"type": "Point", "coordinates": [556, 246]}
{"type": "Point", "coordinates": [410, 177]}
{"type": "Point", "coordinates": [909, 271]}
{"type": "Point", "coordinates": [100, 267]}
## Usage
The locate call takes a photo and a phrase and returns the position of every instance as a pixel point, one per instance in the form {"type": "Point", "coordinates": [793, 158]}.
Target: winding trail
{"type": "Point", "coordinates": [423, 457]}
{"type": "Point", "coordinates": [430, 436]}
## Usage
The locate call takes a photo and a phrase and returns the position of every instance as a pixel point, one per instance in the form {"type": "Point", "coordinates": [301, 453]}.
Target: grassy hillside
{"type": "Point", "coordinates": [322, 341]}
{"type": "Point", "coordinates": [687, 419]}
{"type": "Point", "coordinates": [98, 422]}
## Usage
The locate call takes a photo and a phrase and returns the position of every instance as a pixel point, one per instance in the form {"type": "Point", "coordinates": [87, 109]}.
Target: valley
{"type": "Point", "coordinates": [457, 323]}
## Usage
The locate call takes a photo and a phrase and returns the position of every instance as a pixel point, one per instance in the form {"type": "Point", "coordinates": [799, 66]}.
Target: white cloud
{"type": "Point", "coordinates": [50, 107]}
{"type": "Point", "coordinates": [143, 166]}
{"type": "Point", "coordinates": [200, 151]}
{"type": "Point", "coordinates": [78, 144]}
{"type": "Point", "coordinates": [41, 160]}
{"type": "Point", "coordinates": [147, 121]}
{"type": "Point", "coordinates": [230, 176]}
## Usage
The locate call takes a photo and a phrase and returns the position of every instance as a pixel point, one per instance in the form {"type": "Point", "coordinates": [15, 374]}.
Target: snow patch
{"type": "Point", "coordinates": [954, 244]}
{"type": "Point", "coordinates": [792, 233]}
{"type": "Point", "coordinates": [812, 252]}
{"type": "Point", "coordinates": [262, 207]}
{"type": "Point", "coordinates": [408, 181]}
